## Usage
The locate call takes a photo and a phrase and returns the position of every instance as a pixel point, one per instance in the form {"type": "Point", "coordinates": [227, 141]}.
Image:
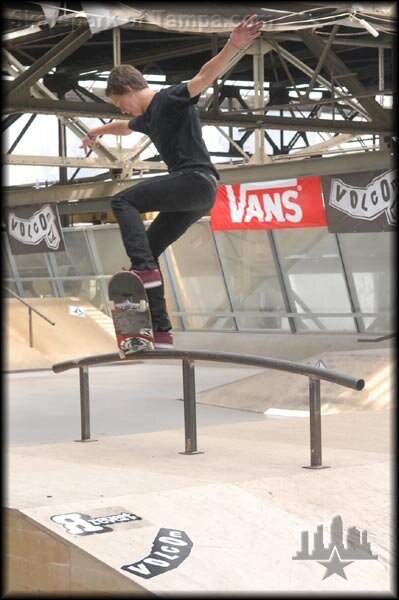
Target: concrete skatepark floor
{"type": "Point", "coordinates": [43, 407]}
{"type": "Point", "coordinates": [243, 502]}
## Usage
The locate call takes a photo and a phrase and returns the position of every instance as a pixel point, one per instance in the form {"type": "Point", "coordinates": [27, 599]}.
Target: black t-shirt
{"type": "Point", "coordinates": [172, 123]}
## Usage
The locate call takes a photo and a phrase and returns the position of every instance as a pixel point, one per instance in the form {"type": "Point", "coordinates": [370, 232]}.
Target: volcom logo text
{"type": "Point", "coordinates": [81, 524]}
{"type": "Point", "coordinates": [367, 202]}
{"type": "Point", "coordinates": [168, 551]}
{"type": "Point", "coordinates": [40, 226]}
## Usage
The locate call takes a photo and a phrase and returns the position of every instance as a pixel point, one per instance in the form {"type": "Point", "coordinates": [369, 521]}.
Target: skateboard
{"type": "Point", "coordinates": [130, 313]}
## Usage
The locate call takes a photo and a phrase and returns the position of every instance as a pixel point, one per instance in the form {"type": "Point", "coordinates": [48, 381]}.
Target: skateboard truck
{"type": "Point", "coordinates": [141, 306]}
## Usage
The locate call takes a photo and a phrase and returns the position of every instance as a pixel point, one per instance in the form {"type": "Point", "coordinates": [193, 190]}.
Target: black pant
{"type": "Point", "coordinates": [181, 198]}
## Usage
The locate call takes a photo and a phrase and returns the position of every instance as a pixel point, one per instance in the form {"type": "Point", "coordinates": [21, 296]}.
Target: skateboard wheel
{"type": "Point", "coordinates": [143, 305]}
{"type": "Point", "coordinates": [122, 354]}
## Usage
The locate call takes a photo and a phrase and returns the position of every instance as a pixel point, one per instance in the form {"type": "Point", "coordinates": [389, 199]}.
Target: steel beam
{"type": "Point", "coordinates": [20, 135]}
{"type": "Point", "coordinates": [28, 36]}
{"type": "Point", "coordinates": [80, 162]}
{"type": "Point", "coordinates": [132, 153]}
{"type": "Point", "coordinates": [384, 40]}
{"type": "Point", "coordinates": [321, 147]}
{"type": "Point", "coordinates": [10, 120]}
{"type": "Point", "coordinates": [60, 107]}
{"type": "Point", "coordinates": [94, 109]}
{"type": "Point", "coordinates": [298, 123]}
{"type": "Point", "coordinates": [234, 144]}
{"type": "Point", "coordinates": [322, 58]}
{"type": "Point", "coordinates": [307, 104]}
{"type": "Point", "coordinates": [158, 55]}
{"type": "Point", "coordinates": [258, 66]}
{"type": "Point", "coordinates": [309, 71]}
{"type": "Point", "coordinates": [50, 59]}
{"type": "Point", "coordinates": [315, 44]}
{"type": "Point", "coordinates": [76, 126]}
{"type": "Point", "coordinates": [91, 191]}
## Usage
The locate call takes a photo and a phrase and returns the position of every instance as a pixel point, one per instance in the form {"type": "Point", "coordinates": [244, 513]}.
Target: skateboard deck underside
{"type": "Point", "coordinates": [130, 313]}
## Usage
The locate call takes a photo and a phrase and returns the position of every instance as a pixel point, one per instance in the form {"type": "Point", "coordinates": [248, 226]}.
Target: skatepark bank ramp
{"type": "Point", "coordinates": [78, 324]}
{"type": "Point", "coordinates": [129, 515]}
{"type": "Point", "coordinates": [270, 390]}
{"type": "Point", "coordinates": [145, 543]}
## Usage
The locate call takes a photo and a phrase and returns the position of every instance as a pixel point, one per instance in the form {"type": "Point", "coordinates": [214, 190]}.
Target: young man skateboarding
{"type": "Point", "coordinates": [170, 118]}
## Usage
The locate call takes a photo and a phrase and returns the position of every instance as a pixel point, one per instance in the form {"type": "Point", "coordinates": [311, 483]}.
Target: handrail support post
{"type": "Point", "coordinates": [30, 327]}
{"type": "Point", "coordinates": [190, 417]}
{"type": "Point", "coordinates": [315, 425]}
{"type": "Point", "coordinates": [84, 405]}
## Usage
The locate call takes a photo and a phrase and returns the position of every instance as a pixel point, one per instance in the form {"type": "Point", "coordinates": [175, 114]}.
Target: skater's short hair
{"type": "Point", "coordinates": [122, 77]}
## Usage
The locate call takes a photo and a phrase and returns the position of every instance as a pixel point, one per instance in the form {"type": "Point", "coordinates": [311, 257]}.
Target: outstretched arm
{"type": "Point", "coordinates": [119, 127]}
{"type": "Point", "coordinates": [242, 35]}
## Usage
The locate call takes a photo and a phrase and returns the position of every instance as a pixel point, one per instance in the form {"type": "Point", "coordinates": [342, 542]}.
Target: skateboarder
{"type": "Point", "coordinates": [170, 118]}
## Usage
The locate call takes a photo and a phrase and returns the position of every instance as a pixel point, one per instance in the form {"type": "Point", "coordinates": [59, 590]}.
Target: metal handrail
{"type": "Point", "coordinates": [382, 338]}
{"type": "Point", "coordinates": [30, 309]}
{"type": "Point", "coordinates": [228, 357]}
{"type": "Point", "coordinates": [315, 374]}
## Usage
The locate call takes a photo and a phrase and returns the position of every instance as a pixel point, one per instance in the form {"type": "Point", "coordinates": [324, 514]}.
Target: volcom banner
{"type": "Point", "coordinates": [31, 229]}
{"type": "Point", "coordinates": [358, 202]}
{"type": "Point", "coordinates": [269, 205]}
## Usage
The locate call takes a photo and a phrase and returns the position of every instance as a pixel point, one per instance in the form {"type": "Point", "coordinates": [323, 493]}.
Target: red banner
{"type": "Point", "coordinates": [269, 205]}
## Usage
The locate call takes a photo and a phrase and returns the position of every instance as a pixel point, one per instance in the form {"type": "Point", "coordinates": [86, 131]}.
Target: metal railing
{"type": "Point", "coordinates": [30, 310]}
{"type": "Point", "coordinates": [379, 339]}
{"type": "Point", "coordinates": [188, 357]}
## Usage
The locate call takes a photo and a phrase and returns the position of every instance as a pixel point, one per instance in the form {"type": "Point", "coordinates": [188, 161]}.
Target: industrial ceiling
{"type": "Point", "coordinates": [345, 52]}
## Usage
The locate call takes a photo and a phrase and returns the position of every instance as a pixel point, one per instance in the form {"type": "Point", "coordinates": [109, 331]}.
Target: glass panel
{"type": "Point", "coordinates": [76, 260]}
{"type": "Point", "coordinates": [32, 265]}
{"type": "Point", "coordinates": [315, 281]}
{"type": "Point", "coordinates": [171, 304]}
{"type": "Point", "coordinates": [198, 279]}
{"type": "Point", "coordinates": [38, 288]}
{"type": "Point", "coordinates": [86, 289]}
{"type": "Point", "coordinates": [5, 260]}
{"type": "Point", "coordinates": [251, 278]}
{"type": "Point", "coordinates": [110, 249]}
{"type": "Point", "coordinates": [368, 258]}
{"type": "Point", "coordinates": [11, 286]}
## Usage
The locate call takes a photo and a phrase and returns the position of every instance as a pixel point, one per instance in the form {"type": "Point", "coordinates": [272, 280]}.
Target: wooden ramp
{"type": "Point", "coordinates": [132, 514]}
{"type": "Point", "coordinates": [79, 327]}
{"type": "Point", "coordinates": [271, 389]}
{"type": "Point", "coordinates": [213, 538]}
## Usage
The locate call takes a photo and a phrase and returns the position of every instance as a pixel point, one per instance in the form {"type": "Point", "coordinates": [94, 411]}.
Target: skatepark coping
{"type": "Point", "coordinates": [315, 374]}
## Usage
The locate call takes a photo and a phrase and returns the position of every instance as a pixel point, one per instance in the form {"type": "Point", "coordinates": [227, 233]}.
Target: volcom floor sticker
{"type": "Point", "coordinates": [169, 549]}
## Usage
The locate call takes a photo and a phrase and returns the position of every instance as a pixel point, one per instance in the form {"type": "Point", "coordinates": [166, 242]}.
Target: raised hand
{"type": "Point", "coordinates": [89, 141]}
{"type": "Point", "coordinates": [246, 31]}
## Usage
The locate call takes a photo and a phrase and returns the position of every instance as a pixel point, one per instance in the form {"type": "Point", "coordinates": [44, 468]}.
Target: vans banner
{"type": "Point", "coordinates": [358, 202]}
{"type": "Point", "coordinates": [269, 205]}
{"type": "Point", "coordinates": [31, 229]}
